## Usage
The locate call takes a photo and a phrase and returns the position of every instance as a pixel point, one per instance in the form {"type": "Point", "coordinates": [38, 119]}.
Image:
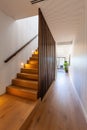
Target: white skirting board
{"type": "Point", "coordinates": [82, 107]}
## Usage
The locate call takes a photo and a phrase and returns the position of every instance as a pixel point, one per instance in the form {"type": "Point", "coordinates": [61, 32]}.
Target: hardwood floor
{"type": "Point", "coordinates": [14, 111]}
{"type": "Point", "coordinates": [60, 108]}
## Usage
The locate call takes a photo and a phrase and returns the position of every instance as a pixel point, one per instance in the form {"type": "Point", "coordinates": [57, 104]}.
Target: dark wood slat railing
{"type": "Point", "coordinates": [15, 53]}
{"type": "Point", "coordinates": [46, 56]}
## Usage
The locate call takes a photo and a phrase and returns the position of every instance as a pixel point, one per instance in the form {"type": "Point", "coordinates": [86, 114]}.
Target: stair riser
{"type": "Point", "coordinates": [22, 94]}
{"type": "Point", "coordinates": [32, 62]}
{"type": "Point", "coordinates": [29, 71]}
{"type": "Point", "coordinates": [31, 66]}
{"type": "Point", "coordinates": [34, 58]}
{"type": "Point", "coordinates": [30, 85]}
{"type": "Point", "coordinates": [34, 55]}
{"type": "Point", "coordinates": [31, 77]}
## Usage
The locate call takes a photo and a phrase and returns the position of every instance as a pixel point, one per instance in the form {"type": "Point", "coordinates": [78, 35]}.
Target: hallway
{"type": "Point", "coordinates": [60, 109]}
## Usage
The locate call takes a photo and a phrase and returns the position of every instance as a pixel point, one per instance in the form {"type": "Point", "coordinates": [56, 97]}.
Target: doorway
{"type": "Point", "coordinates": [60, 62]}
{"type": "Point", "coordinates": [63, 53]}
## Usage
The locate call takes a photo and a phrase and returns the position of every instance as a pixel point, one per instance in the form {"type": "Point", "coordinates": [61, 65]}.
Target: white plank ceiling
{"type": "Point", "coordinates": [18, 9]}
{"type": "Point", "coordinates": [64, 17]}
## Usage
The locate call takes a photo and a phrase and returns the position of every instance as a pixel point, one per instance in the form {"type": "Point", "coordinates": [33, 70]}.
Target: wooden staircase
{"type": "Point", "coordinates": [25, 85]}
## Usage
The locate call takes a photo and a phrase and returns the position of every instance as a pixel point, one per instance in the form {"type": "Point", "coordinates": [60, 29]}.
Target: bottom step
{"type": "Point", "coordinates": [15, 111]}
{"type": "Point", "coordinates": [22, 92]}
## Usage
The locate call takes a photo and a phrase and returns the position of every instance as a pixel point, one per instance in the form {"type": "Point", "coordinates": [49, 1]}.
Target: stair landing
{"type": "Point", "coordinates": [14, 111]}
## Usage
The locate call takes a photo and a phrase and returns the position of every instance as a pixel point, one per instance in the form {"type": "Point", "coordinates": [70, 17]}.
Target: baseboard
{"type": "Point", "coordinates": [82, 107]}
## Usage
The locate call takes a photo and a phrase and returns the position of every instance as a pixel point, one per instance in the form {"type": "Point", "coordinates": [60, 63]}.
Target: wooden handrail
{"type": "Point", "coordinates": [36, 1]}
{"type": "Point", "coordinates": [15, 53]}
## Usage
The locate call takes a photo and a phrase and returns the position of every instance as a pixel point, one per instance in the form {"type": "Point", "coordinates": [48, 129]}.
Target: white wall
{"type": "Point", "coordinates": [63, 50]}
{"type": "Point", "coordinates": [14, 34]}
{"type": "Point", "coordinates": [79, 59]}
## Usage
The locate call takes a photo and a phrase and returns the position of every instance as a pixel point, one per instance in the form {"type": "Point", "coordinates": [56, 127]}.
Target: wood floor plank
{"type": "Point", "coordinates": [60, 108]}
{"type": "Point", "coordinates": [14, 111]}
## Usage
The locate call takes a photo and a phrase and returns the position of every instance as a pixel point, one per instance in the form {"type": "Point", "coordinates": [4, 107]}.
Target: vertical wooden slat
{"type": "Point", "coordinates": [46, 56]}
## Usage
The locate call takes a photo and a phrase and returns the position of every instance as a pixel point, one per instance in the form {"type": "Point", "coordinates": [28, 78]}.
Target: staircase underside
{"type": "Point", "coordinates": [14, 111]}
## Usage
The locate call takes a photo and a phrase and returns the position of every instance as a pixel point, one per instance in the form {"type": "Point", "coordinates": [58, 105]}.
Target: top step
{"type": "Point", "coordinates": [35, 52]}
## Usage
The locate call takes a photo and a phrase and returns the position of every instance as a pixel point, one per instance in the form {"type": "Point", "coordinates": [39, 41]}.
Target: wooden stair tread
{"type": "Point", "coordinates": [22, 92]}
{"type": "Point", "coordinates": [36, 75]}
{"type": "Point", "coordinates": [14, 111]}
{"type": "Point", "coordinates": [24, 80]}
{"type": "Point", "coordinates": [32, 62]}
{"type": "Point", "coordinates": [34, 58]}
{"type": "Point", "coordinates": [34, 55]}
{"type": "Point", "coordinates": [29, 70]}
{"type": "Point", "coordinates": [25, 83]}
{"type": "Point", "coordinates": [27, 76]}
{"type": "Point", "coordinates": [32, 66]}
{"type": "Point", "coordinates": [23, 89]}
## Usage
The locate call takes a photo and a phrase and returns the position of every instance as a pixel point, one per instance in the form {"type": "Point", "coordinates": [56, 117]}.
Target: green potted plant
{"type": "Point", "coordinates": [66, 66]}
